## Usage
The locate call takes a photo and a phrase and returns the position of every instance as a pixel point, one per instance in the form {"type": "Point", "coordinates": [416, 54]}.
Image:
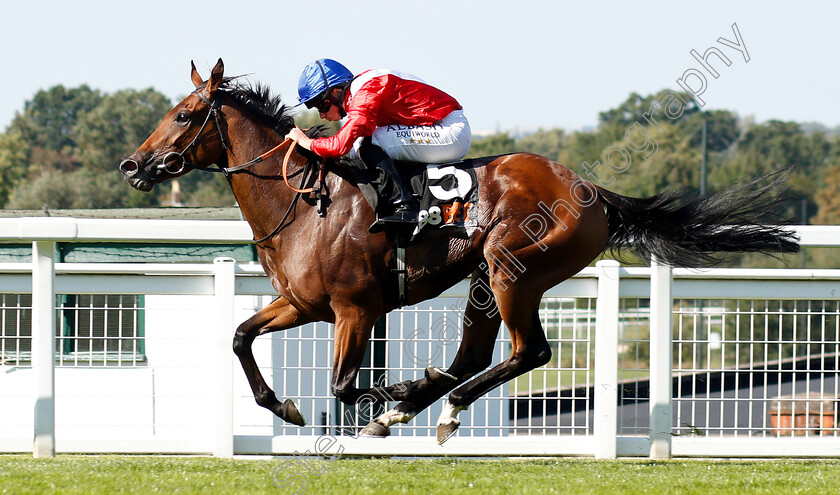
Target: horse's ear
{"type": "Point", "coordinates": [216, 76]}
{"type": "Point", "coordinates": [196, 79]}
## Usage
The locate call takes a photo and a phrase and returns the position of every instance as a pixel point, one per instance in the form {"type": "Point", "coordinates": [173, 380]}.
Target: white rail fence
{"type": "Point", "coordinates": [136, 357]}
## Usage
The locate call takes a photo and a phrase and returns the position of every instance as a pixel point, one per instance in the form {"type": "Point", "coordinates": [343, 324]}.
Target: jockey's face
{"type": "Point", "coordinates": [333, 114]}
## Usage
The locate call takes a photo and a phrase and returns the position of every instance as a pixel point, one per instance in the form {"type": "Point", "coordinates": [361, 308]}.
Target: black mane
{"type": "Point", "coordinates": [269, 108]}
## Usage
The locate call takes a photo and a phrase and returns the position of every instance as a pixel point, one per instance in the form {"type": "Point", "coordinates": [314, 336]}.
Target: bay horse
{"type": "Point", "coordinates": [537, 224]}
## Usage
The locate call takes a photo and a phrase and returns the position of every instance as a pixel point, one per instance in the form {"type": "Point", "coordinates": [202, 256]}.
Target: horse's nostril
{"type": "Point", "coordinates": [129, 167]}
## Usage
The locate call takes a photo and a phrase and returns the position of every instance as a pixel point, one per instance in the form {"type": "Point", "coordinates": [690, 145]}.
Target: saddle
{"type": "Point", "coordinates": [447, 193]}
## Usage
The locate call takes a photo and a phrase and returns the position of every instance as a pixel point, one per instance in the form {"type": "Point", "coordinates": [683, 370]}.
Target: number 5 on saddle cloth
{"type": "Point", "coordinates": [447, 193]}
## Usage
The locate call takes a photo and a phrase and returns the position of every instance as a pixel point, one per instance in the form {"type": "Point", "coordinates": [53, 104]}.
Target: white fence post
{"type": "Point", "coordinates": [606, 360]}
{"type": "Point", "coordinates": [661, 359]}
{"type": "Point", "coordinates": [43, 346]}
{"type": "Point", "coordinates": [225, 290]}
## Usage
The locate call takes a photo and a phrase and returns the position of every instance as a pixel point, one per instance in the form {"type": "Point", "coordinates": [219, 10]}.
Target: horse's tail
{"type": "Point", "coordinates": [680, 229]}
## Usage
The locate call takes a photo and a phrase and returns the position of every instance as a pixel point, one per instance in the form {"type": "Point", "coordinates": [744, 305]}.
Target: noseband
{"type": "Point", "coordinates": [177, 157]}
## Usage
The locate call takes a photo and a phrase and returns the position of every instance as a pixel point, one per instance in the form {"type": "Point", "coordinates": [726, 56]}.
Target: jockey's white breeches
{"type": "Point", "coordinates": [447, 140]}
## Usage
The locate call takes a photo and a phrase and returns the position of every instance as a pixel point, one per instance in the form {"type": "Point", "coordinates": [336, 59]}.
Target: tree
{"type": "Point", "coordinates": [636, 106]}
{"type": "Point", "coordinates": [587, 147]}
{"type": "Point", "coordinates": [828, 197]}
{"type": "Point", "coordinates": [70, 130]}
{"type": "Point", "coordinates": [721, 129]}
{"type": "Point", "coordinates": [13, 164]}
{"type": "Point", "coordinates": [777, 146]}
{"type": "Point", "coordinates": [675, 163]}
{"type": "Point", "coordinates": [548, 143]}
{"type": "Point", "coordinates": [79, 189]}
{"type": "Point", "coordinates": [49, 118]}
{"type": "Point", "coordinates": [781, 145]}
{"type": "Point", "coordinates": [211, 191]}
{"type": "Point", "coordinates": [495, 144]}
{"type": "Point", "coordinates": [117, 126]}
{"type": "Point", "coordinates": [828, 213]}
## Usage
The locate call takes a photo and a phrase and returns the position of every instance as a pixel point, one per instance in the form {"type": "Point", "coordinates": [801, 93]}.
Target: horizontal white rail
{"type": "Point", "coordinates": [69, 229]}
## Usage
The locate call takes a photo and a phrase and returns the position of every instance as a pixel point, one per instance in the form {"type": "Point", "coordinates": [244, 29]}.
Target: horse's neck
{"type": "Point", "coordinates": [261, 199]}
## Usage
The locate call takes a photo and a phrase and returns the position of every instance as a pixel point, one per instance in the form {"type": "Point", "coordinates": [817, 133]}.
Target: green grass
{"type": "Point", "coordinates": [112, 474]}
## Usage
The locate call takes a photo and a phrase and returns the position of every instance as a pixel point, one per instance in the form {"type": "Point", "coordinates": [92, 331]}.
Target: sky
{"type": "Point", "coordinates": [515, 65]}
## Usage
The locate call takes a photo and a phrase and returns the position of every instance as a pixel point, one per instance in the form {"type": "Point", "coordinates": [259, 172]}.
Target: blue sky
{"type": "Point", "coordinates": [514, 66]}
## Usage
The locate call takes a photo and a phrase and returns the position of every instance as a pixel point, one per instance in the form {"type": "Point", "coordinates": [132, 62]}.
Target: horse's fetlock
{"type": "Point", "coordinates": [456, 399]}
{"type": "Point", "coordinates": [543, 357]}
{"type": "Point", "coordinates": [480, 365]}
{"type": "Point", "coordinates": [266, 399]}
{"type": "Point", "coordinates": [534, 356]}
{"type": "Point", "coordinates": [347, 395]}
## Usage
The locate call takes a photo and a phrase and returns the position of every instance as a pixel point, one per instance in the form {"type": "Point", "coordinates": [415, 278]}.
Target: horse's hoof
{"type": "Point", "coordinates": [446, 430]}
{"type": "Point", "coordinates": [375, 429]}
{"type": "Point", "coordinates": [290, 413]}
{"type": "Point", "coordinates": [439, 377]}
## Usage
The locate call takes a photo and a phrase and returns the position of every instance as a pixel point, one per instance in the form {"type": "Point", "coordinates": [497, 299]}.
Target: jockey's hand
{"type": "Point", "coordinates": [300, 138]}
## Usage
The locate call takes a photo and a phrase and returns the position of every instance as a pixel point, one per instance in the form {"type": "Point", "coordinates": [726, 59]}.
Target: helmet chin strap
{"type": "Point", "coordinates": [339, 101]}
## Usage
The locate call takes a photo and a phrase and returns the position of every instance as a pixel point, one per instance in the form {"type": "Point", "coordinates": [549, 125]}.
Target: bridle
{"type": "Point", "coordinates": [181, 162]}
{"type": "Point", "coordinates": [174, 163]}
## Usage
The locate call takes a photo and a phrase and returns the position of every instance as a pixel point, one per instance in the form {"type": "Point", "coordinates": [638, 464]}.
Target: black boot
{"type": "Point", "coordinates": [406, 206]}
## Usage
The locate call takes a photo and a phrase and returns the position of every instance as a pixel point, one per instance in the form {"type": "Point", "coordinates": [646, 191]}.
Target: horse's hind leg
{"type": "Point", "coordinates": [475, 353]}
{"type": "Point", "coordinates": [530, 350]}
{"type": "Point", "coordinates": [279, 315]}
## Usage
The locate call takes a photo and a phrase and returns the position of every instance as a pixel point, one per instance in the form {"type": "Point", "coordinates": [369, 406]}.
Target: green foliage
{"type": "Point", "coordinates": [63, 150]}
{"type": "Point", "coordinates": [49, 119]}
{"type": "Point", "coordinates": [643, 109]}
{"type": "Point", "coordinates": [721, 129]}
{"type": "Point", "coordinates": [827, 201]}
{"type": "Point", "coordinates": [779, 146]}
{"type": "Point", "coordinates": [828, 197]}
{"type": "Point", "coordinates": [674, 163]}
{"type": "Point", "coordinates": [643, 145]}
{"type": "Point", "coordinates": [78, 189]}
{"type": "Point", "coordinates": [548, 143]}
{"type": "Point", "coordinates": [13, 163]}
{"type": "Point", "coordinates": [117, 126]}
{"type": "Point", "coordinates": [588, 147]}
{"type": "Point", "coordinates": [213, 190]}
{"type": "Point", "coordinates": [495, 144]}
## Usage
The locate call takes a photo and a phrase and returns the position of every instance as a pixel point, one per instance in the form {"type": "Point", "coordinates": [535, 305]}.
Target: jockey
{"type": "Point", "coordinates": [390, 116]}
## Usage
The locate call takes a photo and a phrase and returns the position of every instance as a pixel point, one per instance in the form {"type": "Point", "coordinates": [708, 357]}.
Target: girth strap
{"type": "Point", "coordinates": [400, 269]}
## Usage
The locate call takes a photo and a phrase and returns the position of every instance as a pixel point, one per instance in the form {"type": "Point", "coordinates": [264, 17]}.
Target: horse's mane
{"type": "Point", "coordinates": [268, 107]}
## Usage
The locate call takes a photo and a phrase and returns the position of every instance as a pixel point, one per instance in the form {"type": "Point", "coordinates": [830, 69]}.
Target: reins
{"type": "Point", "coordinates": [214, 113]}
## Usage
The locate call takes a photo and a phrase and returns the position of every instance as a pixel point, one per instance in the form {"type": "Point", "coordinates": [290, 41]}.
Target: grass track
{"type": "Point", "coordinates": [113, 474]}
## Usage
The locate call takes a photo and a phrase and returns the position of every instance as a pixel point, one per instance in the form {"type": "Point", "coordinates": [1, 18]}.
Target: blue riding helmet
{"type": "Point", "coordinates": [320, 76]}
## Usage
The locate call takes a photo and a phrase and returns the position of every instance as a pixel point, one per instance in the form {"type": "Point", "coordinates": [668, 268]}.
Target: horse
{"type": "Point", "coordinates": [537, 223]}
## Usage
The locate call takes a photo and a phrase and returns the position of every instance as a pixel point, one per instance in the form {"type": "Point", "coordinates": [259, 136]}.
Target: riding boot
{"type": "Point", "coordinates": [407, 207]}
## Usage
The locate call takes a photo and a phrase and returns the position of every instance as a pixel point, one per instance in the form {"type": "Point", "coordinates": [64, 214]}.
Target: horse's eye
{"type": "Point", "coordinates": [182, 118]}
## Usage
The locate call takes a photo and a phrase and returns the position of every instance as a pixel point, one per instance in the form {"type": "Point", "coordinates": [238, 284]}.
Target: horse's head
{"type": "Point", "coordinates": [189, 136]}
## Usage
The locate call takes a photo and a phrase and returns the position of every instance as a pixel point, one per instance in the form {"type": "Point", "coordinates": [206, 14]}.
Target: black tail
{"type": "Point", "coordinates": [680, 229]}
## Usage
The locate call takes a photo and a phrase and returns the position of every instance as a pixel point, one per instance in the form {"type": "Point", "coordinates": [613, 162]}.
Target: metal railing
{"type": "Point", "coordinates": [648, 361]}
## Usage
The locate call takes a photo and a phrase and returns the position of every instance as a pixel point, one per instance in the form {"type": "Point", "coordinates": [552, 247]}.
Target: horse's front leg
{"type": "Point", "coordinates": [481, 325]}
{"type": "Point", "coordinates": [352, 334]}
{"type": "Point", "coordinates": [279, 315]}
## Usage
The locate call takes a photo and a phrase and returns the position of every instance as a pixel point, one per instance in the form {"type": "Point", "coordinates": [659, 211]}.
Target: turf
{"type": "Point", "coordinates": [112, 474]}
